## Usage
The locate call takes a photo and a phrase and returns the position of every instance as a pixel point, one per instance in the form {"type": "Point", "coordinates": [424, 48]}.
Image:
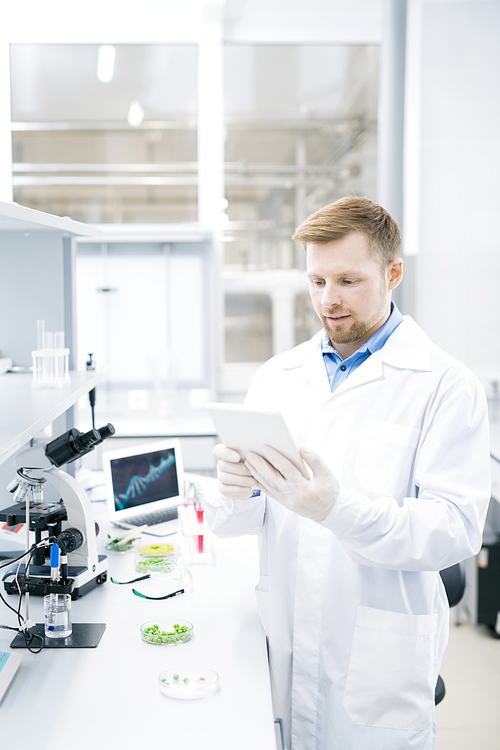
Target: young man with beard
{"type": "Point", "coordinates": [395, 433]}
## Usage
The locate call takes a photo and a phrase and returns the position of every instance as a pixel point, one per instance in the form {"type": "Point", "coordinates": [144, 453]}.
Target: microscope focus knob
{"type": "Point", "coordinates": [70, 539]}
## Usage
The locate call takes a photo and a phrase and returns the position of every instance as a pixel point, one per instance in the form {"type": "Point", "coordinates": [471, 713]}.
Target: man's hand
{"type": "Point", "coordinates": [313, 498]}
{"type": "Point", "coordinates": [235, 480]}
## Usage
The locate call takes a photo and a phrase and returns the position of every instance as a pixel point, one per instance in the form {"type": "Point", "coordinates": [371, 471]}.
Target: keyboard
{"type": "Point", "coordinates": [160, 516]}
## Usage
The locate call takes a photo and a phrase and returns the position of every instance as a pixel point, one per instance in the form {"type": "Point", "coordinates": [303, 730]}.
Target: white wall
{"type": "Point", "coordinates": [452, 217]}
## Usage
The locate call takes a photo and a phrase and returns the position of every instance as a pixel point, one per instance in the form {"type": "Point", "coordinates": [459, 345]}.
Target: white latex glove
{"type": "Point", "coordinates": [235, 480]}
{"type": "Point", "coordinates": [312, 498]}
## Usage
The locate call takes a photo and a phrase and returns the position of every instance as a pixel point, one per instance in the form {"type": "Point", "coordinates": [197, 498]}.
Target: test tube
{"type": "Point", "coordinates": [199, 515]}
{"type": "Point", "coordinates": [59, 340]}
{"type": "Point", "coordinates": [40, 334]}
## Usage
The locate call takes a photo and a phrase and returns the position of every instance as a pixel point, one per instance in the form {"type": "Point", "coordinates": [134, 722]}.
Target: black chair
{"type": "Point", "coordinates": [454, 584]}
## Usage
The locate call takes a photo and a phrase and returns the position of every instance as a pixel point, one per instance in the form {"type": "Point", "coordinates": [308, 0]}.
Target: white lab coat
{"type": "Point", "coordinates": [354, 609]}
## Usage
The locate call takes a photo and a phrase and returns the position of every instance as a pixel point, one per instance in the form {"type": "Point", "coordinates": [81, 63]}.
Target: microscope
{"type": "Point", "coordinates": [68, 522]}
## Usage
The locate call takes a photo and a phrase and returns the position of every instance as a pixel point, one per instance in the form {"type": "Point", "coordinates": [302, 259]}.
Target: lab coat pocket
{"type": "Point", "coordinates": [384, 457]}
{"type": "Point", "coordinates": [262, 595]}
{"type": "Point", "coordinates": [391, 677]}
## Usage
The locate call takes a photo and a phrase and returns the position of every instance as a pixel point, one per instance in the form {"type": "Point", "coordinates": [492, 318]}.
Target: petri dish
{"type": "Point", "coordinates": [119, 548]}
{"type": "Point", "coordinates": [189, 683]}
{"type": "Point", "coordinates": [164, 632]}
{"type": "Point", "coordinates": [114, 544]}
{"type": "Point", "coordinates": [147, 551]}
{"type": "Point", "coordinates": [156, 564]}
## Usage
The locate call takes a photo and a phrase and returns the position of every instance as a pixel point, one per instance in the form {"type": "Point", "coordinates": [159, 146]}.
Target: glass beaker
{"type": "Point", "coordinates": [57, 612]}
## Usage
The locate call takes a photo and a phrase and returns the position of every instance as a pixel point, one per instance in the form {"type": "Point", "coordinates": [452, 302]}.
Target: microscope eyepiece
{"type": "Point", "coordinates": [106, 431]}
{"type": "Point", "coordinates": [90, 438]}
{"type": "Point", "coordinates": [74, 444]}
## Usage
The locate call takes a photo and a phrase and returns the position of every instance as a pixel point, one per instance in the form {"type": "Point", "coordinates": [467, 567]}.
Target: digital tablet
{"type": "Point", "coordinates": [245, 428]}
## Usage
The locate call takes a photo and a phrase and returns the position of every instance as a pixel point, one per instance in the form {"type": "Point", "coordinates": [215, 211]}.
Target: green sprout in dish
{"type": "Point", "coordinates": [155, 563]}
{"type": "Point", "coordinates": [116, 544]}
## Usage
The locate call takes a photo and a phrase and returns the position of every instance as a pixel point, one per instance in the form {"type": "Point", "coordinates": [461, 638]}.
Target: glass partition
{"type": "Point", "coordinates": [106, 134]}
{"type": "Point", "coordinates": [301, 124]}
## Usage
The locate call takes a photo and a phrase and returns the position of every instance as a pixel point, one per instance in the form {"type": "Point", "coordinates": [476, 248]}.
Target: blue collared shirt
{"type": "Point", "coordinates": [339, 369]}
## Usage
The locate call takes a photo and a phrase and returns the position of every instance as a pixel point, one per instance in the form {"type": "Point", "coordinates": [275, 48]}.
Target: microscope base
{"type": "Point", "coordinates": [84, 580]}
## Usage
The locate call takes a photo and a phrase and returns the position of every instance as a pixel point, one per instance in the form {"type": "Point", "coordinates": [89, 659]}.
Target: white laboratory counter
{"type": "Point", "coordinates": [108, 697]}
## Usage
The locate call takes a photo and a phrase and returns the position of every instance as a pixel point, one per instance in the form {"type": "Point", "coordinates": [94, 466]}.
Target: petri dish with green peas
{"type": "Point", "coordinates": [167, 633]}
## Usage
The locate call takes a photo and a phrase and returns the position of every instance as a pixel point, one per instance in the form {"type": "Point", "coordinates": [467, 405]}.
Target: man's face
{"type": "Point", "coordinates": [350, 292]}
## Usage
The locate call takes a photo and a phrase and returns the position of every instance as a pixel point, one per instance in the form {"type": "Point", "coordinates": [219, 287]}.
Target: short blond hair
{"type": "Point", "coordinates": [351, 214]}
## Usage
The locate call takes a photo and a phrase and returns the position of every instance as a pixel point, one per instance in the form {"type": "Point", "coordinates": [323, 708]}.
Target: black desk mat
{"type": "Point", "coordinates": [84, 635]}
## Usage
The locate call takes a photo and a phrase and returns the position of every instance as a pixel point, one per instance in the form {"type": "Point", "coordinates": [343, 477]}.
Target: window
{"type": "Point", "coordinates": [121, 151]}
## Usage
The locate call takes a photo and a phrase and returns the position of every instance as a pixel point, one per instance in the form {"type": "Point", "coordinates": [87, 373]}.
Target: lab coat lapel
{"type": "Point", "coordinates": [407, 348]}
{"type": "Point", "coordinates": [370, 369]}
{"type": "Point", "coordinates": [314, 372]}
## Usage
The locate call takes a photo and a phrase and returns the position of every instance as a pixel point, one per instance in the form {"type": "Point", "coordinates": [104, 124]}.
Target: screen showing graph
{"type": "Point", "coordinates": [144, 478]}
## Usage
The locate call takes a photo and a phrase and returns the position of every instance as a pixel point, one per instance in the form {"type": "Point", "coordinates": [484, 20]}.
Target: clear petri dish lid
{"type": "Point", "coordinates": [166, 632]}
{"type": "Point", "coordinates": [189, 683]}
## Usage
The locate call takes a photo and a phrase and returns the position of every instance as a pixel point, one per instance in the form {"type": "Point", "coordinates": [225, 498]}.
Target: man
{"type": "Point", "coordinates": [397, 444]}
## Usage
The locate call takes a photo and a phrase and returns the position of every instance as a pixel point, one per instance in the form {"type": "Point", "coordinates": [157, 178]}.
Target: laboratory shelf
{"type": "Point", "coordinates": [26, 411]}
{"type": "Point", "coordinates": [15, 218]}
{"type": "Point", "coordinates": [164, 427]}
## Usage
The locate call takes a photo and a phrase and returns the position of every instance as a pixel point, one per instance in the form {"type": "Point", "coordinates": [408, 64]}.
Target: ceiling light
{"type": "Point", "coordinates": [135, 114]}
{"type": "Point", "coordinates": [106, 63]}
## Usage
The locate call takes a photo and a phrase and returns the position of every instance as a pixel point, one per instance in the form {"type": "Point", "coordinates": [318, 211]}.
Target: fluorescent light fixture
{"type": "Point", "coordinates": [135, 114]}
{"type": "Point", "coordinates": [106, 63]}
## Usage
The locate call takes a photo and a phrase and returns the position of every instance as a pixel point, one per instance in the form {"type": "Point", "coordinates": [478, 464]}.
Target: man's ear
{"type": "Point", "coordinates": [395, 269]}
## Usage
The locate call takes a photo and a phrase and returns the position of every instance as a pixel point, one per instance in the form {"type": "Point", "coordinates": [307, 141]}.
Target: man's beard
{"type": "Point", "coordinates": [356, 330]}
